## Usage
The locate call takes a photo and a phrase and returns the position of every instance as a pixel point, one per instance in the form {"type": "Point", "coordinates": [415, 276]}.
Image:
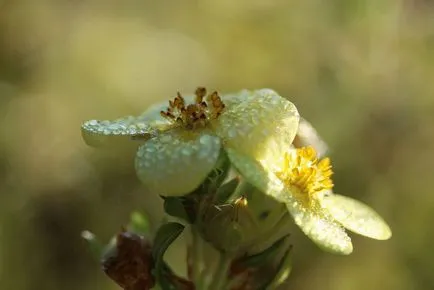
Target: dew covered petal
{"type": "Point", "coordinates": [174, 164]}
{"type": "Point", "coordinates": [99, 133]}
{"type": "Point", "coordinates": [357, 217]}
{"type": "Point", "coordinates": [308, 136]}
{"type": "Point", "coordinates": [321, 229]}
{"type": "Point", "coordinates": [260, 124]}
{"type": "Point", "coordinates": [109, 133]}
{"type": "Point", "coordinates": [315, 224]}
{"type": "Point", "coordinates": [255, 174]}
{"type": "Point", "coordinates": [234, 99]}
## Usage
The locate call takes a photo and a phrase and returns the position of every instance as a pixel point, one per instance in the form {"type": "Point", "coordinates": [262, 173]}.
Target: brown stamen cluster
{"type": "Point", "coordinates": [192, 116]}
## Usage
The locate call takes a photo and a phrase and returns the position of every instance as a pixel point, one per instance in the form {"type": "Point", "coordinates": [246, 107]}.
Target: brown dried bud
{"type": "Point", "coordinates": [129, 263]}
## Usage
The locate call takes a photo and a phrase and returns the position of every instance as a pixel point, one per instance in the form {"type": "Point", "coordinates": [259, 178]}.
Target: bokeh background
{"type": "Point", "coordinates": [360, 71]}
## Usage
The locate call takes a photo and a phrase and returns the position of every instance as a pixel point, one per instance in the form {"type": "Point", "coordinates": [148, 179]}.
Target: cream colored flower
{"type": "Point", "coordinates": [308, 136]}
{"type": "Point", "coordinates": [303, 183]}
{"type": "Point", "coordinates": [182, 139]}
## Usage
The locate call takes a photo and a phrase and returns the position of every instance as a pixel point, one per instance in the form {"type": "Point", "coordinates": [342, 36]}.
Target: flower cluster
{"type": "Point", "coordinates": [260, 139]}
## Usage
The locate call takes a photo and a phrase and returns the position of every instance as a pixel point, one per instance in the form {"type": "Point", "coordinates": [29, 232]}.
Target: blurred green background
{"type": "Point", "coordinates": [360, 71]}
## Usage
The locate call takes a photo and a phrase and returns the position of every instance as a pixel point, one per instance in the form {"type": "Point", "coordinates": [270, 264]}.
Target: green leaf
{"type": "Point", "coordinates": [221, 169]}
{"type": "Point", "coordinates": [165, 236]}
{"type": "Point", "coordinates": [284, 269]}
{"type": "Point", "coordinates": [270, 265]}
{"type": "Point", "coordinates": [226, 190]}
{"type": "Point", "coordinates": [180, 207]}
{"type": "Point", "coordinates": [270, 253]}
{"type": "Point", "coordinates": [216, 177]}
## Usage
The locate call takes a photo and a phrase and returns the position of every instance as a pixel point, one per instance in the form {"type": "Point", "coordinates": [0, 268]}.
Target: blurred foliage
{"type": "Point", "coordinates": [360, 71]}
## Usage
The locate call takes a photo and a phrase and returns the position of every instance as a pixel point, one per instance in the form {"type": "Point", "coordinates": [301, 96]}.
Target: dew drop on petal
{"type": "Point", "coordinates": [357, 217]}
{"type": "Point", "coordinates": [106, 133]}
{"type": "Point", "coordinates": [172, 165]}
{"type": "Point", "coordinates": [321, 229]}
{"type": "Point", "coordinates": [308, 136]}
{"type": "Point", "coordinates": [262, 125]}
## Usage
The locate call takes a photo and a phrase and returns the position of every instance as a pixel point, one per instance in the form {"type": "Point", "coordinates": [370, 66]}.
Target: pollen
{"type": "Point", "coordinates": [205, 108]}
{"type": "Point", "coordinates": [305, 175]}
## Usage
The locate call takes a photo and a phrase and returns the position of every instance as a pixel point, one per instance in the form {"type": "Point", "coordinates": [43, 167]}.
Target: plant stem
{"type": "Point", "coordinates": [221, 274]}
{"type": "Point", "coordinates": [197, 253]}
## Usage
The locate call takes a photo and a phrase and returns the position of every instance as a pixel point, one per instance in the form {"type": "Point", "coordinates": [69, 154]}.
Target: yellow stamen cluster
{"type": "Point", "coordinates": [305, 175]}
{"type": "Point", "coordinates": [192, 116]}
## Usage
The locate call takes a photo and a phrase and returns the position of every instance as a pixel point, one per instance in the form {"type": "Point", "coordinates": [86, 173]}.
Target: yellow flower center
{"type": "Point", "coordinates": [196, 115]}
{"type": "Point", "coordinates": [305, 175]}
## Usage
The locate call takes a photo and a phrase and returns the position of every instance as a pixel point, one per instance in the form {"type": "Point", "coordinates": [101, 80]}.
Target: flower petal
{"type": "Point", "coordinates": [308, 136]}
{"type": "Point", "coordinates": [234, 99]}
{"type": "Point", "coordinates": [103, 133]}
{"type": "Point", "coordinates": [357, 217]}
{"type": "Point", "coordinates": [255, 174]}
{"type": "Point", "coordinates": [262, 125]}
{"type": "Point", "coordinates": [174, 164]}
{"type": "Point", "coordinates": [316, 225]}
{"type": "Point", "coordinates": [321, 229]}
{"type": "Point", "coordinates": [100, 133]}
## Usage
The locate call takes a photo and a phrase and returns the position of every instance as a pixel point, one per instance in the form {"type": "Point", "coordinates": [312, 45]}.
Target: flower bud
{"type": "Point", "coordinates": [226, 226]}
{"type": "Point", "coordinates": [129, 262]}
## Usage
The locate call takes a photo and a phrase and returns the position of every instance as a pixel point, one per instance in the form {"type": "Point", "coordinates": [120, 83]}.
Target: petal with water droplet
{"type": "Point", "coordinates": [256, 174]}
{"type": "Point", "coordinates": [110, 133]}
{"type": "Point", "coordinates": [357, 217]}
{"type": "Point", "coordinates": [174, 164]}
{"type": "Point", "coordinates": [308, 136]}
{"type": "Point", "coordinates": [321, 229]}
{"type": "Point", "coordinates": [260, 124]}
{"type": "Point", "coordinates": [99, 133]}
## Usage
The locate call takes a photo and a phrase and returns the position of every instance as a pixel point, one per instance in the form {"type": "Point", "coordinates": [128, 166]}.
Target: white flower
{"type": "Point", "coordinates": [182, 139]}
{"type": "Point", "coordinates": [303, 183]}
{"type": "Point", "coordinates": [308, 136]}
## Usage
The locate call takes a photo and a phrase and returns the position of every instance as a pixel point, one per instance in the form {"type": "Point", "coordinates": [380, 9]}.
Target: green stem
{"type": "Point", "coordinates": [221, 274]}
{"type": "Point", "coordinates": [197, 253]}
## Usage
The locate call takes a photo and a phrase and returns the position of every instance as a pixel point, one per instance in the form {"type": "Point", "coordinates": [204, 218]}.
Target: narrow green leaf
{"type": "Point", "coordinates": [165, 236]}
{"type": "Point", "coordinates": [283, 271]}
{"type": "Point", "coordinates": [216, 177]}
{"type": "Point", "coordinates": [221, 169]}
{"type": "Point", "coordinates": [226, 190]}
{"type": "Point", "coordinates": [180, 207]}
{"type": "Point", "coordinates": [268, 254]}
